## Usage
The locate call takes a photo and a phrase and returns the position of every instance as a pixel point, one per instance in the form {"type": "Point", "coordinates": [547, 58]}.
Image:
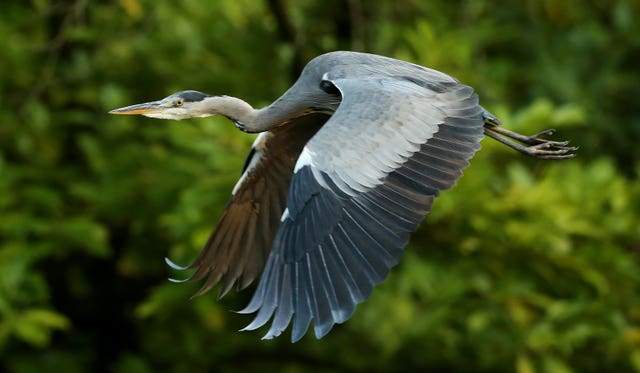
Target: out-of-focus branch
{"type": "Point", "coordinates": [288, 34]}
{"type": "Point", "coordinates": [357, 27]}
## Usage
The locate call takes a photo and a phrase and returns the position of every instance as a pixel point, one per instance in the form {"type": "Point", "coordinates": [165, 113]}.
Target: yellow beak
{"type": "Point", "coordinates": [146, 108]}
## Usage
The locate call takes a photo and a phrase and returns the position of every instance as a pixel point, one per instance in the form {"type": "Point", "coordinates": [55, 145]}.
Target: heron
{"type": "Point", "coordinates": [346, 165]}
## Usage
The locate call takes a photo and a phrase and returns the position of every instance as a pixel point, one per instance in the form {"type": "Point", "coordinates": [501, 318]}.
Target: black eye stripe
{"type": "Point", "coordinates": [192, 96]}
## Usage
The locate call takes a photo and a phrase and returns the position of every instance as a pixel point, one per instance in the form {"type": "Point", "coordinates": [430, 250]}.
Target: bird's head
{"type": "Point", "coordinates": [180, 105]}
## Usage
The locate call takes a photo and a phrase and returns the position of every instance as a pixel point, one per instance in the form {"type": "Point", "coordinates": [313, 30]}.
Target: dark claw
{"type": "Point", "coordinates": [551, 151]}
{"type": "Point", "coordinates": [538, 138]}
{"type": "Point", "coordinates": [544, 133]}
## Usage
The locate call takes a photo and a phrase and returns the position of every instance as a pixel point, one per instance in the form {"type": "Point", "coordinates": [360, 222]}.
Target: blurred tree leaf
{"type": "Point", "coordinates": [36, 325]}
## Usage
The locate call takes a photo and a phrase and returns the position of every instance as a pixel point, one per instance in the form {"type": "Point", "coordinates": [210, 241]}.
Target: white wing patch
{"type": "Point", "coordinates": [258, 147]}
{"type": "Point", "coordinates": [285, 215]}
{"type": "Point", "coordinates": [305, 159]}
{"type": "Point", "coordinates": [259, 142]}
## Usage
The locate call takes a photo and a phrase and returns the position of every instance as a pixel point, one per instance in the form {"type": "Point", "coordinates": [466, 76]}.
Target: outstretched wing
{"type": "Point", "coordinates": [361, 185]}
{"type": "Point", "coordinates": [239, 246]}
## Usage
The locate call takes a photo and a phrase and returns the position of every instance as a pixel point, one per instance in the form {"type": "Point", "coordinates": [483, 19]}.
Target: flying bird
{"type": "Point", "coordinates": [345, 167]}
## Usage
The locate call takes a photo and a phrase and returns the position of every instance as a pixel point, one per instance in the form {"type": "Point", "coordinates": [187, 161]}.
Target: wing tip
{"type": "Point", "coordinates": [173, 265]}
{"type": "Point", "coordinates": [177, 268]}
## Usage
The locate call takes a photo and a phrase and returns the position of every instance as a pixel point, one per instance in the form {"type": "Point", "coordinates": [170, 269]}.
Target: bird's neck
{"type": "Point", "coordinates": [233, 108]}
{"type": "Point", "coordinates": [242, 114]}
{"type": "Point", "coordinates": [280, 112]}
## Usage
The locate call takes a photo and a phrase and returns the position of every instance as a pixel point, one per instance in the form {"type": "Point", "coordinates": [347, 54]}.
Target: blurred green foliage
{"type": "Point", "coordinates": [524, 266]}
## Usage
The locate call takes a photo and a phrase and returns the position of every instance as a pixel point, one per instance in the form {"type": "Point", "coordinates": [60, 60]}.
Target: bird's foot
{"type": "Point", "coordinates": [550, 150]}
{"type": "Point", "coordinates": [539, 146]}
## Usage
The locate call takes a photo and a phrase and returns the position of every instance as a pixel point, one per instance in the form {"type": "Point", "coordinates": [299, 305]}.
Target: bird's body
{"type": "Point", "coordinates": [347, 165]}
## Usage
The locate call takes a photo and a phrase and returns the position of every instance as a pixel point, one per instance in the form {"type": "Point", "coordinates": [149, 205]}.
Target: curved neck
{"type": "Point", "coordinates": [242, 114]}
{"type": "Point", "coordinates": [233, 108]}
{"type": "Point", "coordinates": [280, 112]}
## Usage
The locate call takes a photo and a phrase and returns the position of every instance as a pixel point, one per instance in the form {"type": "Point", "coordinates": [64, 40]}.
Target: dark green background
{"type": "Point", "coordinates": [526, 265]}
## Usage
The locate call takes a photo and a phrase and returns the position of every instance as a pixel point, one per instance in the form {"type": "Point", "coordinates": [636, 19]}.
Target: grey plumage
{"type": "Point", "coordinates": [349, 162]}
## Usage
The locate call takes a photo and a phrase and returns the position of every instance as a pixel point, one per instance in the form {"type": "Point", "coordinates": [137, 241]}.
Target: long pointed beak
{"type": "Point", "coordinates": [146, 108]}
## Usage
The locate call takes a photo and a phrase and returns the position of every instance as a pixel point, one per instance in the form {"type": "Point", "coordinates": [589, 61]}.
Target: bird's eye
{"type": "Point", "coordinates": [179, 102]}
